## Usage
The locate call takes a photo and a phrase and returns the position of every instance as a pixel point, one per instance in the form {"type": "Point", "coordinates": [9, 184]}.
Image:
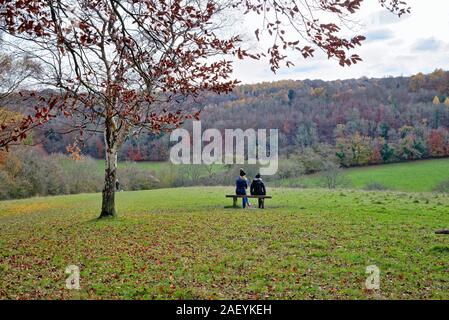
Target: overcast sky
{"type": "Point", "coordinates": [394, 46]}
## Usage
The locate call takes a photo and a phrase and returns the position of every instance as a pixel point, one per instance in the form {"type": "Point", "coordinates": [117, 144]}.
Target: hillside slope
{"type": "Point", "coordinates": [388, 119]}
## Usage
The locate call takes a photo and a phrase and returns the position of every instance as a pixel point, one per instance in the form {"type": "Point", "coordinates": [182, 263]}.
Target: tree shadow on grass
{"type": "Point", "coordinates": [440, 249]}
{"type": "Point", "coordinates": [101, 221]}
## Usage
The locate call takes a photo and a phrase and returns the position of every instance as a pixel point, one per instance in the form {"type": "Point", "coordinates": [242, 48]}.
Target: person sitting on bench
{"type": "Point", "coordinates": [241, 185]}
{"type": "Point", "coordinates": [258, 189]}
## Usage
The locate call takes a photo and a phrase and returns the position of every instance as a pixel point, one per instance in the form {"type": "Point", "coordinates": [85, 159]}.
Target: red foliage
{"type": "Point", "coordinates": [376, 155]}
{"type": "Point", "coordinates": [437, 143]}
{"type": "Point", "coordinates": [14, 131]}
{"type": "Point", "coordinates": [134, 153]}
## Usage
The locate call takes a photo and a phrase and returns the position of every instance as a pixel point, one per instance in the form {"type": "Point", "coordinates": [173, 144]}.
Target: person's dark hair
{"type": "Point", "coordinates": [242, 173]}
{"type": "Point", "coordinates": [258, 176]}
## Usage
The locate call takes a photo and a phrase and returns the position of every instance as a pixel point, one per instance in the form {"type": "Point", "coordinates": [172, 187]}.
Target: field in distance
{"type": "Point", "coordinates": [414, 176]}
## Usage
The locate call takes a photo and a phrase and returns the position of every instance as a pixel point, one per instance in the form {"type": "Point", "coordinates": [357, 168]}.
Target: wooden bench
{"type": "Point", "coordinates": [235, 196]}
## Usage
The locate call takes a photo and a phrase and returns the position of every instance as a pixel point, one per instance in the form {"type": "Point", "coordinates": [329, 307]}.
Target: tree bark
{"type": "Point", "coordinates": [114, 136]}
{"type": "Point", "coordinates": [110, 174]}
{"type": "Point", "coordinates": [108, 205]}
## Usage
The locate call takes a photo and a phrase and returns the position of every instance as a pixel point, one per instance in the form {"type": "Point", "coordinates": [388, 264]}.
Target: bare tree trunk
{"type": "Point", "coordinates": [114, 136]}
{"type": "Point", "coordinates": [108, 205]}
{"type": "Point", "coordinates": [110, 174]}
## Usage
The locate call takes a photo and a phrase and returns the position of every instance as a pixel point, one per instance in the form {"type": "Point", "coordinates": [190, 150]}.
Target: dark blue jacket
{"type": "Point", "coordinates": [240, 186]}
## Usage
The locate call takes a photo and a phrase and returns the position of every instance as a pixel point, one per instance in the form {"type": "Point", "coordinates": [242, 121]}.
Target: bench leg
{"type": "Point", "coordinates": [234, 202]}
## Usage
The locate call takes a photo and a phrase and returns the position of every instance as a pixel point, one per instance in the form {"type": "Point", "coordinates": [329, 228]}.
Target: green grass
{"type": "Point", "coordinates": [145, 165]}
{"type": "Point", "coordinates": [415, 176]}
{"type": "Point", "coordinates": [418, 176]}
{"type": "Point", "coordinates": [184, 243]}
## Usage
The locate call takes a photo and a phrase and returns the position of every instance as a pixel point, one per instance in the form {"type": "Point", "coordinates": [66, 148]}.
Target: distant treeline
{"type": "Point", "coordinates": [360, 122]}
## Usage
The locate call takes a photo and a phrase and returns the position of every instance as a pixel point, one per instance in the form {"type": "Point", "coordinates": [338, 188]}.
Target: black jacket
{"type": "Point", "coordinates": [258, 188]}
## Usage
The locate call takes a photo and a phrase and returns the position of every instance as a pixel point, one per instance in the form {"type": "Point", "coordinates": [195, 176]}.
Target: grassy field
{"type": "Point", "coordinates": [419, 176]}
{"type": "Point", "coordinates": [415, 176]}
{"type": "Point", "coordinates": [184, 243]}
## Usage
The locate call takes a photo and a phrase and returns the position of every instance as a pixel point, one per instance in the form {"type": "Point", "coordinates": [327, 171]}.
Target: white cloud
{"type": "Point", "coordinates": [379, 35]}
{"type": "Point", "coordinates": [394, 46]}
{"type": "Point", "coordinates": [428, 44]}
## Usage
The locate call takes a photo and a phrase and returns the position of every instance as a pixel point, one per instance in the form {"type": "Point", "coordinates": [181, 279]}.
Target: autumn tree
{"type": "Point", "coordinates": [436, 101]}
{"type": "Point", "coordinates": [7, 117]}
{"type": "Point", "coordinates": [119, 66]}
{"type": "Point", "coordinates": [376, 152]}
{"type": "Point", "coordinates": [411, 143]}
{"type": "Point", "coordinates": [353, 150]}
{"type": "Point", "coordinates": [437, 142]}
{"type": "Point", "coordinates": [417, 82]}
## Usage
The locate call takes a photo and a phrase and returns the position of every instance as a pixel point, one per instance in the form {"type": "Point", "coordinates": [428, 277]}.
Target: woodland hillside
{"type": "Point", "coordinates": [361, 121]}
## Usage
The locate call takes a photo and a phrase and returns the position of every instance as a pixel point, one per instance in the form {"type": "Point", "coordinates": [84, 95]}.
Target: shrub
{"type": "Point", "coordinates": [27, 172]}
{"type": "Point", "coordinates": [442, 187]}
{"type": "Point", "coordinates": [9, 188]}
{"type": "Point", "coordinates": [133, 178]}
{"type": "Point", "coordinates": [191, 173]}
{"type": "Point", "coordinates": [310, 160]}
{"type": "Point", "coordinates": [331, 174]}
{"type": "Point", "coordinates": [373, 186]}
{"type": "Point", "coordinates": [170, 176]}
{"type": "Point", "coordinates": [39, 174]}
{"type": "Point", "coordinates": [81, 176]}
{"type": "Point", "coordinates": [289, 168]}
